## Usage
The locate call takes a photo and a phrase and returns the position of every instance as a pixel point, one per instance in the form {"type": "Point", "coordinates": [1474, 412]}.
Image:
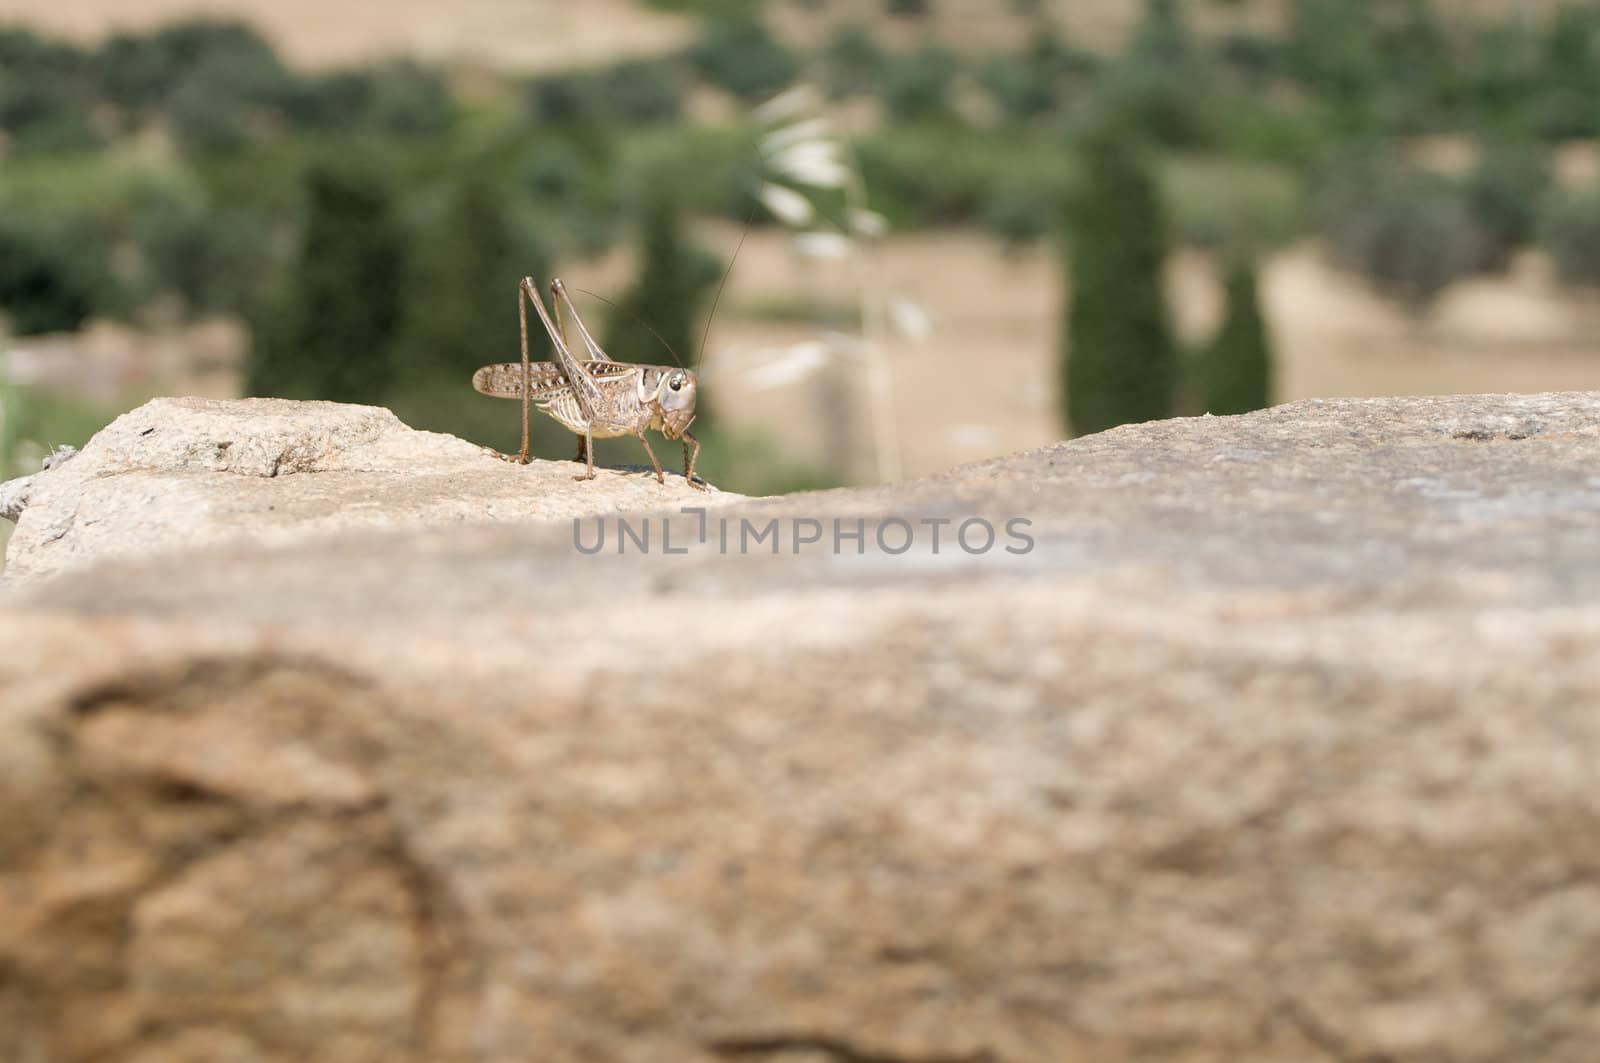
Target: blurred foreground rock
{"type": "Point", "coordinates": [180, 473]}
{"type": "Point", "coordinates": [1280, 745]}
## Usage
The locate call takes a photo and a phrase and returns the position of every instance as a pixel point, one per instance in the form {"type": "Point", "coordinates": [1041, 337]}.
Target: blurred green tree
{"type": "Point", "coordinates": [47, 94]}
{"type": "Point", "coordinates": [666, 305]}
{"type": "Point", "coordinates": [1159, 85]}
{"type": "Point", "coordinates": [460, 312]}
{"type": "Point", "coordinates": [409, 99]}
{"type": "Point", "coordinates": [1505, 193]}
{"type": "Point", "coordinates": [1571, 69]}
{"type": "Point", "coordinates": [1334, 55]}
{"type": "Point", "coordinates": [1420, 84]}
{"type": "Point", "coordinates": [211, 80]}
{"type": "Point", "coordinates": [1018, 213]}
{"type": "Point", "coordinates": [1572, 235]}
{"type": "Point", "coordinates": [1504, 74]}
{"type": "Point", "coordinates": [460, 285]}
{"type": "Point", "coordinates": [918, 85]}
{"type": "Point", "coordinates": [213, 258]}
{"type": "Point", "coordinates": [1033, 83]}
{"type": "Point", "coordinates": [1120, 361]}
{"type": "Point", "coordinates": [331, 334]}
{"type": "Point", "coordinates": [1410, 232]}
{"type": "Point", "coordinates": [739, 53]}
{"type": "Point", "coordinates": [51, 277]}
{"type": "Point", "coordinates": [852, 62]}
{"type": "Point", "coordinates": [1237, 368]}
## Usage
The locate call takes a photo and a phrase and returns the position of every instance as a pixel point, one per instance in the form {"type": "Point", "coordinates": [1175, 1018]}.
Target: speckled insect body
{"type": "Point", "coordinates": [595, 398]}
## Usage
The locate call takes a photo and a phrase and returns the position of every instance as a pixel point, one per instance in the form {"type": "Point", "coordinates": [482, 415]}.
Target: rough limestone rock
{"type": "Point", "coordinates": [1279, 745]}
{"type": "Point", "coordinates": [177, 473]}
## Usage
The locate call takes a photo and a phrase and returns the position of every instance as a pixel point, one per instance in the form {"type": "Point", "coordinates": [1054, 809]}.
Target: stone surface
{"type": "Point", "coordinates": [1280, 745]}
{"type": "Point", "coordinates": [177, 473]}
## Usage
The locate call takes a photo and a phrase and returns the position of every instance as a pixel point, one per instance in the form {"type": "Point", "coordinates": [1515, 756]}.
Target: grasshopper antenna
{"type": "Point", "coordinates": [723, 284]}
{"type": "Point", "coordinates": [617, 306]}
{"type": "Point", "coordinates": [749, 220]}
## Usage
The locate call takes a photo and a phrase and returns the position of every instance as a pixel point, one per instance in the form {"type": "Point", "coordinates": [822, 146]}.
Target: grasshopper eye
{"type": "Point", "coordinates": [676, 382]}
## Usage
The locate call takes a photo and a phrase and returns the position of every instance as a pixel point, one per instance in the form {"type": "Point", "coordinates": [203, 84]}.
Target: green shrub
{"type": "Point", "coordinates": [1571, 233]}
{"type": "Point", "coordinates": [1571, 73]}
{"type": "Point", "coordinates": [1504, 73]}
{"type": "Point", "coordinates": [211, 80]}
{"type": "Point", "coordinates": [206, 121]}
{"type": "Point", "coordinates": [1408, 231]}
{"type": "Point", "coordinates": [34, 421]}
{"type": "Point", "coordinates": [1120, 361]}
{"type": "Point", "coordinates": [852, 62]}
{"type": "Point", "coordinates": [459, 310]}
{"type": "Point", "coordinates": [52, 278]}
{"type": "Point", "coordinates": [1020, 215]}
{"type": "Point", "coordinates": [409, 99]}
{"type": "Point", "coordinates": [1224, 203]}
{"type": "Point", "coordinates": [939, 175]}
{"type": "Point", "coordinates": [918, 85]}
{"type": "Point", "coordinates": [666, 305]}
{"type": "Point", "coordinates": [338, 101]}
{"type": "Point", "coordinates": [1270, 131]}
{"type": "Point", "coordinates": [1159, 87]}
{"type": "Point", "coordinates": [635, 92]}
{"type": "Point", "coordinates": [1256, 59]}
{"type": "Point", "coordinates": [1420, 85]}
{"type": "Point", "coordinates": [1034, 83]}
{"type": "Point", "coordinates": [47, 91]}
{"type": "Point", "coordinates": [214, 259]}
{"type": "Point", "coordinates": [1332, 54]}
{"type": "Point", "coordinates": [331, 332]}
{"type": "Point", "coordinates": [1505, 193]}
{"type": "Point", "coordinates": [643, 91]}
{"type": "Point", "coordinates": [737, 52]}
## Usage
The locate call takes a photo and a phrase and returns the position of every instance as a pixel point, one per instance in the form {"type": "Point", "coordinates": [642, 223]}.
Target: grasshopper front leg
{"type": "Point", "coordinates": [689, 458]}
{"type": "Point", "coordinates": [661, 477]}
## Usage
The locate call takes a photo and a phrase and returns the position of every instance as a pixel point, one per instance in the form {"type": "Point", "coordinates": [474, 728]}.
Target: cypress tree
{"type": "Point", "coordinates": [460, 309]}
{"type": "Point", "coordinates": [1237, 368]}
{"type": "Point", "coordinates": [666, 304]}
{"type": "Point", "coordinates": [1120, 363]}
{"type": "Point", "coordinates": [331, 335]}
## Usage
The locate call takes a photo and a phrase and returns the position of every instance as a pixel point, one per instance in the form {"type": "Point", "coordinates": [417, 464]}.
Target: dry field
{"type": "Point", "coordinates": [984, 382]}
{"type": "Point", "coordinates": [542, 34]}
{"type": "Point", "coordinates": [502, 34]}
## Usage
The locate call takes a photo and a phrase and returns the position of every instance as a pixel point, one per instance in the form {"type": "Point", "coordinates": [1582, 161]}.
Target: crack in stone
{"type": "Point", "coordinates": [838, 1048]}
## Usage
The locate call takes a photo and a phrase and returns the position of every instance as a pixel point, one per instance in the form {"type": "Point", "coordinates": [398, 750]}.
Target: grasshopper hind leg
{"type": "Point", "coordinates": [586, 447]}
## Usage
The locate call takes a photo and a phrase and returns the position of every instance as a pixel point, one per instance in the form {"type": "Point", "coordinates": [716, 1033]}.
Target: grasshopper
{"type": "Point", "coordinates": [595, 397]}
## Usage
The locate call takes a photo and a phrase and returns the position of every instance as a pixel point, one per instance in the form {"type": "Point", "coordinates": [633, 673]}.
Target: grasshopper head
{"type": "Point", "coordinates": [675, 399]}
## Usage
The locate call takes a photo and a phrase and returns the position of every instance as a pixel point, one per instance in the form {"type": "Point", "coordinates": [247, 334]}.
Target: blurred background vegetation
{"type": "Point", "coordinates": [1108, 211]}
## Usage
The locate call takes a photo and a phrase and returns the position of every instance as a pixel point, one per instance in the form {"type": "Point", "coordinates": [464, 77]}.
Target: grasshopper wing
{"type": "Point", "coordinates": [504, 379]}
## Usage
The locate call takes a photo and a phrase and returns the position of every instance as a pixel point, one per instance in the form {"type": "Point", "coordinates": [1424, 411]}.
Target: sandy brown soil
{"type": "Point", "coordinates": [536, 34]}
{"type": "Point", "coordinates": [984, 382]}
{"type": "Point", "coordinates": [510, 34]}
